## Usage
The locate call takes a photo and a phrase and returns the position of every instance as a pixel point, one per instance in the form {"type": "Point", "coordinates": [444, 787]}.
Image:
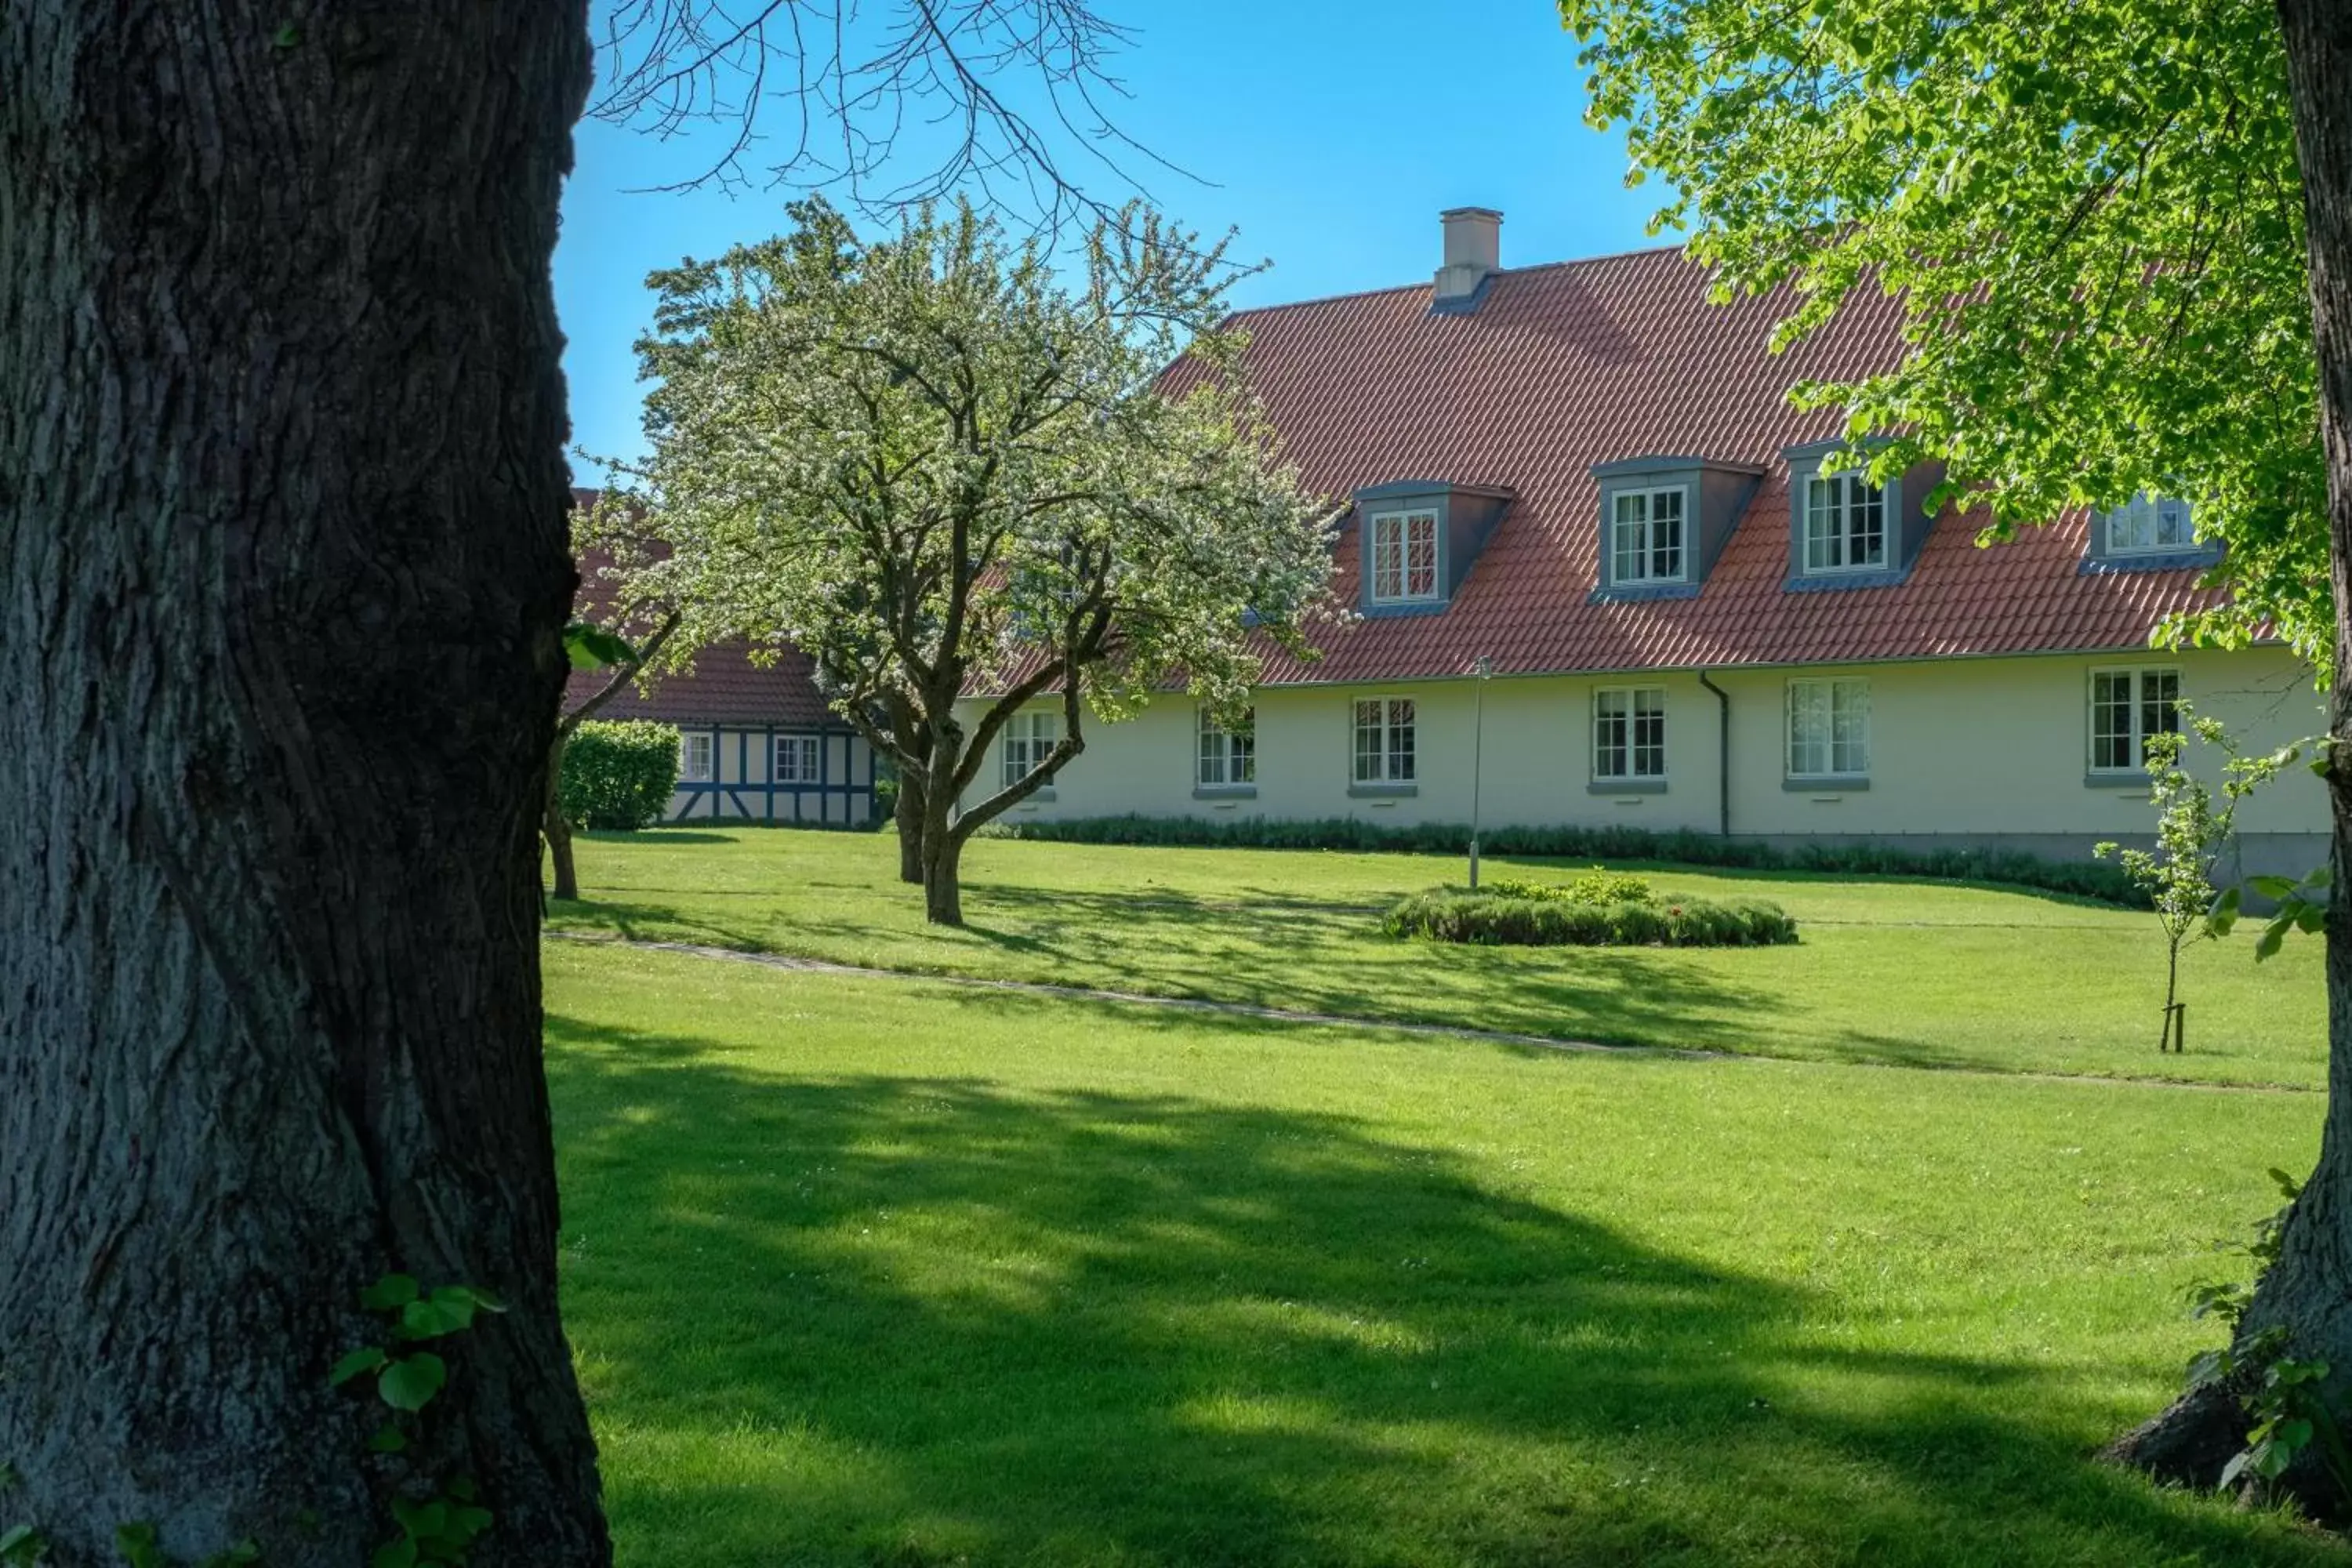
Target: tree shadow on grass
{"type": "Point", "coordinates": [932, 1320]}
{"type": "Point", "coordinates": [1303, 955]}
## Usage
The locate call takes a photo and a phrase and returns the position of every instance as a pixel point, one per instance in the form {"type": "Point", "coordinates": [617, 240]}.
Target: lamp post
{"type": "Point", "coordinates": [1482, 667]}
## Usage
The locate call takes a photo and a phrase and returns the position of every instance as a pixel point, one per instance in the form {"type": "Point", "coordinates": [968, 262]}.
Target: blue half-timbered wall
{"type": "Point", "coordinates": [745, 787]}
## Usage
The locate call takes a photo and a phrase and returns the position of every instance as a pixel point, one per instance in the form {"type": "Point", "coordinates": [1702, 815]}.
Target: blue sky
{"type": "Point", "coordinates": [1330, 134]}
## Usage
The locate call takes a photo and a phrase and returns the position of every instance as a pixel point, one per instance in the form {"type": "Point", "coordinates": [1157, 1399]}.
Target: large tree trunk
{"type": "Point", "coordinates": [283, 575]}
{"type": "Point", "coordinates": [554, 829]}
{"type": "Point", "coordinates": [2308, 1291]}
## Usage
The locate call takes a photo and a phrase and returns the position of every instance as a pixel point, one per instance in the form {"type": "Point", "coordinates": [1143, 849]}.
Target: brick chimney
{"type": "Point", "coordinates": [1474, 246]}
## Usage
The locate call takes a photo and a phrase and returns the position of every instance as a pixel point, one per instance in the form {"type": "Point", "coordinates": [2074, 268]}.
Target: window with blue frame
{"type": "Point", "coordinates": [2150, 525]}
{"type": "Point", "coordinates": [1227, 757]}
{"type": "Point", "coordinates": [1846, 524]}
{"type": "Point", "coordinates": [1029, 738]}
{"type": "Point", "coordinates": [1404, 557]}
{"type": "Point", "coordinates": [1645, 536]}
{"type": "Point", "coordinates": [797, 759]}
{"type": "Point", "coordinates": [1384, 740]}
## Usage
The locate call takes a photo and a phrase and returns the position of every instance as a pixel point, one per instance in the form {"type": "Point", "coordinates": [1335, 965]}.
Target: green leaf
{"type": "Point", "coordinates": [242, 1556]}
{"type": "Point", "coordinates": [2205, 1368]}
{"type": "Point", "coordinates": [443, 1314]}
{"type": "Point", "coordinates": [136, 1543]}
{"type": "Point", "coordinates": [400, 1553]}
{"type": "Point", "coordinates": [22, 1543]}
{"type": "Point", "coordinates": [591, 647]}
{"type": "Point", "coordinates": [2273, 936]}
{"type": "Point", "coordinates": [410, 1383]}
{"type": "Point", "coordinates": [2224, 912]}
{"type": "Point", "coordinates": [420, 1518]}
{"type": "Point", "coordinates": [367, 1358]}
{"type": "Point", "coordinates": [389, 1293]}
{"type": "Point", "coordinates": [287, 36]}
{"type": "Point", "coordinates": [387, 1439]}
{"type": "Point", "coordinates": [2273, 887]}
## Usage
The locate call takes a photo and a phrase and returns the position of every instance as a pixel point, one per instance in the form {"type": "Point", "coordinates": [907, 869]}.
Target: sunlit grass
{"type": "Point", "coordinates": [1887, 971]}
{"type": "Point", "coordinates": [878, 1272]}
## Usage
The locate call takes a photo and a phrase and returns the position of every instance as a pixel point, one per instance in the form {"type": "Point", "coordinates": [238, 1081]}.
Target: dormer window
{"type": "Point", "coordinates": [1645, 535]}
{"type": "Point", "coordinates": [2150, 525]}
{"type": "Point", "coordinates": [1845, 525]}
{"type": "Point", "coordinates": [1845, 532]}
{"type": "Point", "coordinates": [1404, 557]}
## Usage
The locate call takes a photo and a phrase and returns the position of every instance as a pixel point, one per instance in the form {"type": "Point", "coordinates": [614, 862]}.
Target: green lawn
{"type": "Point", "coordinates": [872, 1272]}
{"type": "Point", "coordinates": [1888, 971]}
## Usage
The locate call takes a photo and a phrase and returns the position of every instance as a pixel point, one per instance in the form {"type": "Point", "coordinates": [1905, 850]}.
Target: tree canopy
{"type": "Point", "coordinates": [2091, 215]}
{"type": "Point", "coordinates": [940, 471]}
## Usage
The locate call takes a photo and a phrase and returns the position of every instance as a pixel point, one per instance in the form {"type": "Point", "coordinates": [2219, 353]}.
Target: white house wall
{"type": "Point", "coordinates": [1986, 751]}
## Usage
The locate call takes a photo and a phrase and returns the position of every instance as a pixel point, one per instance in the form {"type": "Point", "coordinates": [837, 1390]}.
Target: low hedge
{"type": "Point", "coordinates": [2084, 878]}
{"type": "Point", "coordinates": [618, 773]}
{"type": "Point", "coordinates": [1499, 920]}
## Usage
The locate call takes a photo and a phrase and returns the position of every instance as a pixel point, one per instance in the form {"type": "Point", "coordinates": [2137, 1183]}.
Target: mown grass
{"type": "Point", "coordinates": [1887, 971]}
{"type": "Point", "coordinates": [876, 1272]}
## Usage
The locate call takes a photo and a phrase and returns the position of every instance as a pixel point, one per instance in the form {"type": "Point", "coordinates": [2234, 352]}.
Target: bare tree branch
{"type": "Point", "coordinates": [887, 107]}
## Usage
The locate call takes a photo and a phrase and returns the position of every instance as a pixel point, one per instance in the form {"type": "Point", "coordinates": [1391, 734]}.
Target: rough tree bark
{"type": "Point", "coordinates": [2308, 1291]}
{"type": "Point", "coordinates": [283, 559]}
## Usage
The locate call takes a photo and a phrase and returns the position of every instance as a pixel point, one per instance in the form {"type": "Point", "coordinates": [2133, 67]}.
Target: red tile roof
{"type": "Point", "coordinates": [1582, 362]}
{"type": "Point", "coordinates": [725, 687]}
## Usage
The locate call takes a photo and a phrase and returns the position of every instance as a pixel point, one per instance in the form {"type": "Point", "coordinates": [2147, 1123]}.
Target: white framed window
{"type": "Point", "coordinates": [1224, 757]}
{"type": "Point", "coordinates": [696, 757]}
{"type": "Point", "coordinates": [1028, 739]}
{"type": "Point", "coordinates": [1645, 535]}
{"type": "Point", "coordinates": [2127, 706]}
{"type": "Point", "coordinates": [797, 759]}
{"type": "Point", "coordinates": [1828, 729]}
{"type": "Point", "coordinates": [2149, 525]}
{"type": "Point", "coordinates": [1846, 524]}
{"type": "Point", "coordinates": [1404, 557]}
{"type": "Point", "coordinates": [1629, 732]}
{"type": "Point", "coordinates": [1385, 740]}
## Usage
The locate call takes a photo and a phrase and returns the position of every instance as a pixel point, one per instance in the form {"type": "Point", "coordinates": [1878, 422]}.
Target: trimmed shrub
{"type": "Point", "coordinates": [1498, 919]}
{"type": "Point", "coordinates": [618, 773]}
{"type": "Point", "coordinates": [1598, 886]}
{"type": "Point", "coordinates": [2084, 878]}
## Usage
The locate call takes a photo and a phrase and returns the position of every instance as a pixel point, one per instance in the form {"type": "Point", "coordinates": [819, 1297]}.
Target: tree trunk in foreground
{"type": "Point", "coordinates": [2309, 1291]}
{"type": "Point", "coordinates": [554, 829]}
{"type": "Point", "coordinates": [284, 570]}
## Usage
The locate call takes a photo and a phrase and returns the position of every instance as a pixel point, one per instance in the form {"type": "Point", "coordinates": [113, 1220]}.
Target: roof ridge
{"type": "Point", "coordinates": [1424, 288]}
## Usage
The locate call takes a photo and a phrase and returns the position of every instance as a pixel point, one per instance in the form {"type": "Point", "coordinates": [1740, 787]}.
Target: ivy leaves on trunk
{"type": "Point", "coordinates": [965, 481]}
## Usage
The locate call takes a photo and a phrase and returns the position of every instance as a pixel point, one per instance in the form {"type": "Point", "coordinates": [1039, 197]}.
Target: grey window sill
{"type": "Point", "coordinates": [1636, 592]}
{"type": "Point", "coordinates": [1224, 791]}
{"type": "Point", "coordinates": [1626, 786]}
{"type": "Point", "coordinates": [1381, 791]}
{"type": "Point", "coordinates": [1842, 783]}
{"type": "Point", "coordinates": [2134, 780]}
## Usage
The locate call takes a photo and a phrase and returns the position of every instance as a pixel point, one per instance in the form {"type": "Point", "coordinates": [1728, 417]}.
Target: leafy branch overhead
{"type": "Point", "coordinates": [2088, 216]}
